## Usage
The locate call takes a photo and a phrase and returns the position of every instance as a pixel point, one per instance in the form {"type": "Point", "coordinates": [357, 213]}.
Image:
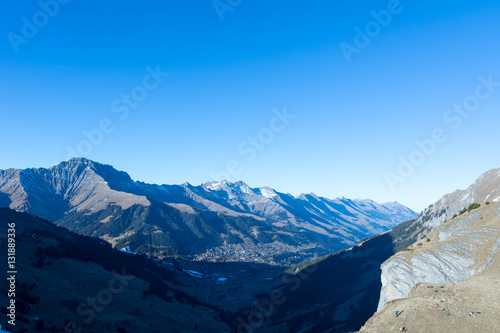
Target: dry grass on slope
{"type": "Point", "coordinates": [470, 306]}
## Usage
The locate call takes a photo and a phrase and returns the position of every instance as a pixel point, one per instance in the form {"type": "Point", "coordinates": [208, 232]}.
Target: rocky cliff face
{"type": "Point", "coordinates": [447, 284]}
{"type": "Point", "coordinates": [486, 187]}
{"type": "Point", "coordinates": [453, 261]}
{"type": "Point", "coordinates": [457, 249]}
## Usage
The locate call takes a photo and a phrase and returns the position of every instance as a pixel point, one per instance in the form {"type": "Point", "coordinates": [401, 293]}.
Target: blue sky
{"type": "Point", "coordinates": [353, 120]}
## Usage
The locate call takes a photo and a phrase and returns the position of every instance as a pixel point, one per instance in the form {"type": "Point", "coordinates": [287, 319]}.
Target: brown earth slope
{"type": "Point", "coordinates": [469, 306]}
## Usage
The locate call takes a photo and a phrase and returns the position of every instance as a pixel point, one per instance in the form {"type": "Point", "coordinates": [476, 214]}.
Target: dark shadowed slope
{"type": "Point", "coordinates": [67, 282]}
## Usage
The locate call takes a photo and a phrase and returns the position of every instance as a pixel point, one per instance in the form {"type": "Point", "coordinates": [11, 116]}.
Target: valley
{"type": "Point", "coordinates": [253, 283]}
{"type": "Point", "coordinates": [232, 166]}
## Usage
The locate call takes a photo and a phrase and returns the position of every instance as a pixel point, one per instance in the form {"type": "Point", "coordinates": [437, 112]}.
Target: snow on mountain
{"type": "Point", "coordinates": [81, 185]}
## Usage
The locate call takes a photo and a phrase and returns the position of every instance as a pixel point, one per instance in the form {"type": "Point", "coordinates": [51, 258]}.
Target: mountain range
{"type": "Point", "coordinates": [351, 285]}
{"type": "Point", "coordinates": [213, 221]}
{"type": "Point", "coordinates": [453, 243]}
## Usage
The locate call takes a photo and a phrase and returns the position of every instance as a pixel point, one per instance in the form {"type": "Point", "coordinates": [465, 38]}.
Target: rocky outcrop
{"type": "Point", "coordinates": [456, 250]}
{"type": "Point", "coordinates": [451, 263]}
{"type": "Point", "coordinates": [447, 284]}
{"type": "Point", "coordinates": [486, 187]}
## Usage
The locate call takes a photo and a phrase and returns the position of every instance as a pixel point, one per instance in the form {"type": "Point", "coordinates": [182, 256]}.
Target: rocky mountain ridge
{"type": "Point", "coordinates": [100, 201]}
{"type": "Point", "coordinates": [345, 301]}
{"type": "Point", "coordinates": [452, 263]}
{"type": "Point", "coordinates": [448, 283]}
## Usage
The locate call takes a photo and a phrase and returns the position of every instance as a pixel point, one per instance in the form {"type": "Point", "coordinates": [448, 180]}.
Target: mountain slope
{"type": "Point", "coordinates": [72, 283]}
{"type": "Point", "coordinates": [486, 187]}
{"type": "Point", "coordinates": [337, 292]}
{"type": "Point", "coordinates": [347, 285]}
{"type": "Point", "coordinates": [449, 283]}
{"type": "Point", "coordinates": [217, 220]}
{"type": "Point", "coordinates": [77, 185]}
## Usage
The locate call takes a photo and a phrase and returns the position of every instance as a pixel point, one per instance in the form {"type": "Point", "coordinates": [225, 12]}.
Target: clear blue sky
{"type": "Point", "coordinates": [352, 119]}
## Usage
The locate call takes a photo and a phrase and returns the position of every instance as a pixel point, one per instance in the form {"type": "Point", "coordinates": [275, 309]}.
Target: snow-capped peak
{"type": "Point", "coordinates": [268, 192]}
{"type": "Point", "coordinates": [214, 186]}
